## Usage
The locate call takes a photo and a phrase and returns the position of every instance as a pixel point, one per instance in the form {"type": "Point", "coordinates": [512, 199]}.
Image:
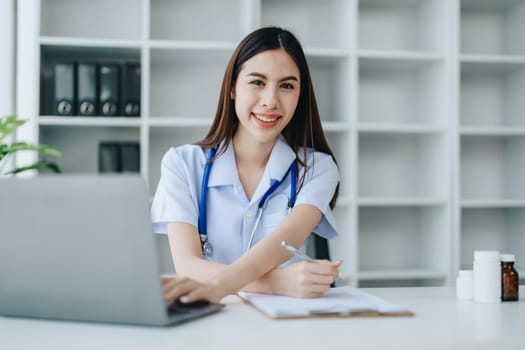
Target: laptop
{"type": "Point", "coordinates": [81, 247]}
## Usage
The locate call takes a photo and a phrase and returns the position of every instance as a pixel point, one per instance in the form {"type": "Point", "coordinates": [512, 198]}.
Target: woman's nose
{"type": "Point", "coordinates": [269, 98]}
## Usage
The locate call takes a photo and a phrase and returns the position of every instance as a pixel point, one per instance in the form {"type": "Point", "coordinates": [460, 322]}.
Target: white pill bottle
{"type": "Point", "coordinates": [487, 277]}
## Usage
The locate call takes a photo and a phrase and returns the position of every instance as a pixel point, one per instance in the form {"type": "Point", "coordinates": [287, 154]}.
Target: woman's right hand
{"type": "Point", "coordinates": [189, 290]}
{"type": "Point", "coordinates": [305, 279]}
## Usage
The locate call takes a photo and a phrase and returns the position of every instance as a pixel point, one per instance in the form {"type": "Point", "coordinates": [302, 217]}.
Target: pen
{"type": "Point", "coordinates": [297, 252]}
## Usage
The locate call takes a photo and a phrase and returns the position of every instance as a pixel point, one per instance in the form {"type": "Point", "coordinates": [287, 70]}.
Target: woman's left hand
{"type": "Point", "coordinates": [189, 290]}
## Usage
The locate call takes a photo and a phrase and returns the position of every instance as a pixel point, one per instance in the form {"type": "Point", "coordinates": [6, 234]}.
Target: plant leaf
{"type": "Point", "coordinates": [42, 164]}
{"type": "Point", "coordinates": [8, 125]}
{"type": "Point", "coordinates": [23, 146]}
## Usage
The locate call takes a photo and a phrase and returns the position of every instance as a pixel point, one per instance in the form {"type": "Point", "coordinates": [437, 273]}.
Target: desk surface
{"type": "Point", "coordinates": [440, 321]}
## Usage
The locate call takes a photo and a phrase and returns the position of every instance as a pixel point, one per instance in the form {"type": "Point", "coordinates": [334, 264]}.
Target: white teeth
{"type": "Point", "coordinates": [266, 120]}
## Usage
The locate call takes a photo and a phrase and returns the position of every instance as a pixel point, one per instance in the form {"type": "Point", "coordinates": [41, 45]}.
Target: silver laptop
{"type": "Point", "coordinates": [81, 248]}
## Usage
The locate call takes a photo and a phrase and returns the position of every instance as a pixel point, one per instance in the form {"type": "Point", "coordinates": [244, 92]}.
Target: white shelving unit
{"type": "Point", "coordinates": [491, 145]}
{"type": "Point", "coordinates": [424, 117]}
{"type": "Point", "coordinates": [7, 46]}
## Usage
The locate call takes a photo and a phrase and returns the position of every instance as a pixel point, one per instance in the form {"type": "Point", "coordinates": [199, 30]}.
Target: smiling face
{"type": "Point", "coordinates": [266, 94]}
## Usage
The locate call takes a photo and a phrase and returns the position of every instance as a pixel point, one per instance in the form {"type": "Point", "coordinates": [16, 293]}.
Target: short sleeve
{"type": "Point", "coordinates": [320, 184]}
{"type": "Point", "coordinates": [175, 199]}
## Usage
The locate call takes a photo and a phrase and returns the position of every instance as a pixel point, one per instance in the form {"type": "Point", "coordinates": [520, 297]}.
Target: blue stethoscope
{"type": "Point", "coordinates": [207, 248]}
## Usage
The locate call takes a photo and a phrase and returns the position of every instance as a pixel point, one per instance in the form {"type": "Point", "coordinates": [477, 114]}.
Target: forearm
{"type": "Point", "coordinates": [255, 270]}
{"type": "Point", "coordinates": [203, 271]}
{"type": "Point", "coordinates": [251, 269]}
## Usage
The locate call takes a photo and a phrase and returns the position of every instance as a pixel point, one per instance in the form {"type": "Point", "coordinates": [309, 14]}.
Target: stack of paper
{"type": "Point", "coordinates": [340, 301]}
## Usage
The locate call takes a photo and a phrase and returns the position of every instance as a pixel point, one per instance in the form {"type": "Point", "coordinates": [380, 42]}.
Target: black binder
{"type": "Point", "coordinates": [64, 91]}
{"type": "Point", "coordinates": [118, 157]}
{"type": "Point", "coordinates": [130, 157]}
{"type": "Point", "coordinates": [130, 89]}
{"type": "Point", "coordinates": [109, 89]}
{"type": "Point", "coordinates": [108, 157]}
{"type": "Point", "coordinates": [86, 89]}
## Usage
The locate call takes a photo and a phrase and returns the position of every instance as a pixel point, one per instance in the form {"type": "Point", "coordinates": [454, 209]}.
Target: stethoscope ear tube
{"type": "Point", "coordinates": [206, 247]}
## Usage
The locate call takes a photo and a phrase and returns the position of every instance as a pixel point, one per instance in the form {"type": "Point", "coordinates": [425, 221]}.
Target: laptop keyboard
{"type": "Point", "coordinates": [180, 312]}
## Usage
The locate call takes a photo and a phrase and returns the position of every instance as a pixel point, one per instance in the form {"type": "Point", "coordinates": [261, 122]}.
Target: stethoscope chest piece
{"type": "Point", "coordinates": [207, 248]}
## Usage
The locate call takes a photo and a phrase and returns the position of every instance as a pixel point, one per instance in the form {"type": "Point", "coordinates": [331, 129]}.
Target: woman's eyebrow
{"type": "Point", "coordinates": [260, 75]}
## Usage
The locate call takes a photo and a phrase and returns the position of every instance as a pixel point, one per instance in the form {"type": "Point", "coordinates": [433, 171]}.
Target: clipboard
{"type": "Point", "coordinates": [343, 301]}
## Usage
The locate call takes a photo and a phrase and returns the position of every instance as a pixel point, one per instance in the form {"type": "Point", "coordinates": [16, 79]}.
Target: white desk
{"type": "Point", "coordinates": [440, 322]}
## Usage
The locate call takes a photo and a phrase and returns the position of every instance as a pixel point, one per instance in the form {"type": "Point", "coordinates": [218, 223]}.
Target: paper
{"type": "Point", "coordinates": [339, 301]}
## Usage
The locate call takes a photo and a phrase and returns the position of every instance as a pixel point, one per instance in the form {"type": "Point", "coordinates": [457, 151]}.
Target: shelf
{"type": "Point", "coordinates": [409, 91]}
{"type": "Point", "coordinates": [395, 165]}
{"type": "Point", "coordinates": [313, 53]}
{"type": "Point", "coordinates": [393, 55]}
{"type": "Point", "coordinates": [413, 238]}
{"type": "Point", "coordinates": [492, 203]}
{"type": "Point", "coordinates": [191, 45]}
{"type": "Point", "coordinates": [89, 121]}
{"type": "Point", "coordinates": [400, 202]}
{"type": "Point", "coordinates": [84, 140]}
{"type": "Point", "coordinates": [92, 19]}
{"type": "Point", "coordinates": [332, 86]}
{"type": "Point", "coordinates": [492, 131]}
{"type": "Point", "coordinates": [330, 30]}
{"type": "Point", "coordinates": [492, 167]}
{"type": "Point", "coordinates": [492, 94]}
{"type": "Point", "coordinates": [491, 229]}
{"type": "Point", "coordinates": [499, 23]}
{"type": "Point", "coordinates": [402, 25]}
{"type": "Point", "coordinates": [186, 83]}
{"type": "Point", "coordinates": [202, 20]}
{"type": "Point", "coordinates": [401, 128]}
{"type": "Point", "coordinates": [68, 42]}
{"type": "Point", "coordinates": [336, 126]}
{"type": "Point", "coordinates": [496, 60]}
{"type": "Point", "coordinates": [179, 122]}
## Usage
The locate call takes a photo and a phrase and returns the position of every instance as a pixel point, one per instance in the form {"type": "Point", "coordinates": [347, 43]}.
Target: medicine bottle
{"type": "Point", "coordinates": [487, 277]}
{"type": "Point", "coordinates": [464, 284]}
{"type": "Point", "coordinates": [509, 278]}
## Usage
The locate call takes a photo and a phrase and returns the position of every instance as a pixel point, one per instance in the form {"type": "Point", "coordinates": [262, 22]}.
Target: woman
{"type": "Point", "coordinates": [265, 149]}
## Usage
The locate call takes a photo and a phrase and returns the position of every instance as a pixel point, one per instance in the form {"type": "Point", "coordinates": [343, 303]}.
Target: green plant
{"type": "Point", "coordinates": [8, 126]}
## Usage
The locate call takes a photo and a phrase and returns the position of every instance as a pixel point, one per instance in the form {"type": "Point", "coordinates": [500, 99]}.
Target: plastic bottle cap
{"type": "Point", "coordinates": [465, 274]}
{"type": "Point", "coordinates": [507, 257]}
{"type": "Point", "coordinates": [486, 255]}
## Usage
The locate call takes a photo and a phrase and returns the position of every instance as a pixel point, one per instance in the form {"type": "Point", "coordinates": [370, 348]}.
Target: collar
{"type": "Point", "coordinates": [224, 169]}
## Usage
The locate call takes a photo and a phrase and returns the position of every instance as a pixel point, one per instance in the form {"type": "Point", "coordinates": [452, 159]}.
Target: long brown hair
{"type": "Point", "coordinates": [304, 130]}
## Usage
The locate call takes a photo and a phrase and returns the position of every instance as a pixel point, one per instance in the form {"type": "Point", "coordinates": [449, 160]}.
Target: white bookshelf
{"type": "Point", "coordinates": [491, 129]}
{"type": "Point", "coordinates": [7, 46]}
{"type": "Point", "coordinates": [424, 117]}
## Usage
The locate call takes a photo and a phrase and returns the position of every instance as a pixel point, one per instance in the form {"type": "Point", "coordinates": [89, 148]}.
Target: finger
{"type": "Point", "coordinates": [319, 288]}
{"type": "Point", "coordinates": [166, 280]}
{"type": "Point", "coordinates": [324, 268]}
{"type": "Point", "coordinates": [179, 288]}
{"type": "Point", "coordinates": [197, 295]}
{"type": "Point", "coordinates": [326, 280]}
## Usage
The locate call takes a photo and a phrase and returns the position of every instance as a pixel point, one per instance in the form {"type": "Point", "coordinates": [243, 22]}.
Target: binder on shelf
{"type": "Point", "coordinates": [109, 89]}
{"type": "Point", "coordinates": [130, 157]}
{"type": "Point", "coordinates": [130, 88]}
{"type": "Point", "coordinates": [118, 157]}
{"type": "Point", "coordinates": [108, 157]}
{"type": "Point", "coordinates": [86, 89]}
{"type": "Point", "coordinates": [64, 90]}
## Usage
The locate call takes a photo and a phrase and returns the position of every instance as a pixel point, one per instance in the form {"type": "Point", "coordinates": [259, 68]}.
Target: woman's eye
{"type": "Point", "coordinates": [287, 86]}
{"type": "Point", "coordinates": [257, 82]}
